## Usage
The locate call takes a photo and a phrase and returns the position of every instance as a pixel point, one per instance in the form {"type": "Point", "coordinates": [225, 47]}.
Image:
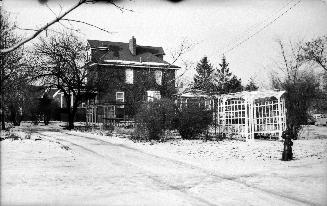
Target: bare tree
{"type": "Point", "coordinates": [60, 62]}
{"type": "Point", "coordinates": [12, 76]}
{"type": "Point", "coordinates": [301, 86]}
{"type": "Point", "coordinates": [315, 51]}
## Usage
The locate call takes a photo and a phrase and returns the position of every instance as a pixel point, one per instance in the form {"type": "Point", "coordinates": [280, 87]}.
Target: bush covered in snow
{"type": "Point", "coordinates": [153, 118]}
{"type": "Point", "coordinates": [193, 120]}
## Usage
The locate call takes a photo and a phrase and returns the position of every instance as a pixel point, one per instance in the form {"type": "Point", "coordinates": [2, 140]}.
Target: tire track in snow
{"type": "Point", "coordinates": [225, 177]}
{"type": "Point", "coordinates": [132, 166]}
{"type": "Point", "coordinates": [235, 179]}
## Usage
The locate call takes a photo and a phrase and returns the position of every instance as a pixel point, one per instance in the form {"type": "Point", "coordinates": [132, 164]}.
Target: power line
{"type": "Point", "coordinates": [258, 24]}
{"type": "Point", "coordinates": [260, 30]}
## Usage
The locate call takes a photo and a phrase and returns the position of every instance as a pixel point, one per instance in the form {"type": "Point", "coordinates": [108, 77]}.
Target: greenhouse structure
{"type": "Point", "coordinates": [250, 115]}
{"type": "Point", "coordinates": [243, 115]}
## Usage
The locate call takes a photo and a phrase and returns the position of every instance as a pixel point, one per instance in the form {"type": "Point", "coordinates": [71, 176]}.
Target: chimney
{"type": "Point", "coordinates": [132, 45]}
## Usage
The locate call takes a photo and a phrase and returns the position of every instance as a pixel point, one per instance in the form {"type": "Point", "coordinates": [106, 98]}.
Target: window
{"type": "Point", "coordinates": [120, 97]}
{"type": "Point", "coordinates": [152, 95]}
{"type": "Point", "coordinates": [158, 76]}
{"type": "Point", "coordinates": [129, 73]}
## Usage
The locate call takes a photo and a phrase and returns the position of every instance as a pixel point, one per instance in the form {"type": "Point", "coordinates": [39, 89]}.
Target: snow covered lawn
{"type": "Point", "coordinates": [59, 167]}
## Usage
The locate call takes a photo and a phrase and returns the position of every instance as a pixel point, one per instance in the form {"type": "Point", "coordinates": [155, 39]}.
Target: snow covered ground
{"type": "Point", "coordinates": [60, 167]}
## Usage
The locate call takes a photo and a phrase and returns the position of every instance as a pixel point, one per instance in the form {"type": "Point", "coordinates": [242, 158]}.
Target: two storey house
{"type": "Point", "coordinates": [125, 75]}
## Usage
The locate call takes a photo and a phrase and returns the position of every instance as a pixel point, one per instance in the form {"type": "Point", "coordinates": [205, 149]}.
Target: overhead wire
{"type": "Point", "coordinates": [261, 29]}
{"type": "Point", "coordinates": [257, 24]}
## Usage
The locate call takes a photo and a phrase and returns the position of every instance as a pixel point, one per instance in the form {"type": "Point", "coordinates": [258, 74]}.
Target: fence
{"type": "Point", "coordinates": [103, 115]}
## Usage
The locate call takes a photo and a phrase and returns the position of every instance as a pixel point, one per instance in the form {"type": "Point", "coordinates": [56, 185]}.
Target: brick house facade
{"type": "Point", "coordinates": [127, 74]}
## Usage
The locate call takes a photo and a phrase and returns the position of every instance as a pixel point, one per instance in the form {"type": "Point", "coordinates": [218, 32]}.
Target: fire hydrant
{"type": "Point", "coordinates": [287, 153]}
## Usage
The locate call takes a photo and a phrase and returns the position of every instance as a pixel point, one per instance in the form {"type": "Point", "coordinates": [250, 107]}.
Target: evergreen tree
{"type": "Point", "coordinates": [203, 78]}
{"type": "Point", "coordinates": [251, 86]}
{"type": "Point", "coordinates": [226, 82]}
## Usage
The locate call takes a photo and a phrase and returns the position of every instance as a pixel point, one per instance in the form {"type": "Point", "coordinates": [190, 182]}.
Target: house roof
{"type": "Point", "coordinates": [118, 54]}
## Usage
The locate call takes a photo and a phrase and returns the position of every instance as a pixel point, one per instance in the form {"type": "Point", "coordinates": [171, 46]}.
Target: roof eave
{"type": "Point", "coordinates": [174, 67]}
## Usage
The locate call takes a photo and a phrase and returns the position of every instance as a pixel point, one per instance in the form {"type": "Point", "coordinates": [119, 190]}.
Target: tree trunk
{"type": "Point", "coordinates": [71, 116]}
{"type": "Point", "coordinates": [3, 125]}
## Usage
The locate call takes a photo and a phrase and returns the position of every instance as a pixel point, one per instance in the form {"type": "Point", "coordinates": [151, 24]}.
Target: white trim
{"type": "Point", "coordinates": [61, 101]}
{"type": "Point", "coordinates": [56, 93]}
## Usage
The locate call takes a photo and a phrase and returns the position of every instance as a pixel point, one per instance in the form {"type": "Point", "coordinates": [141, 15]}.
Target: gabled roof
{"type": "Point", "coordinates": [118, 53]}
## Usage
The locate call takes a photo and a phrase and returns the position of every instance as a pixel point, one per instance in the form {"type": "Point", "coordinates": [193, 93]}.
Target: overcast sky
{"type": "Point", "coordinates": [216, 26]}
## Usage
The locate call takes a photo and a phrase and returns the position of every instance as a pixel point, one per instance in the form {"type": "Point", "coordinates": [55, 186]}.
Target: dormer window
{"type": "Point", "coordinates": [103, 48]}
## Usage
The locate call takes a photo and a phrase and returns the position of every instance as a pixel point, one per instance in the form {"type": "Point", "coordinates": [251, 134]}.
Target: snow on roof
{"type": "Point", "coordinates": [246, 95]}
{"type": "Point", "coordinates": [193, 93]}
{"type": "Point", "coordinates": [253, 95]}
{"type": "Point", "coordinates": [139, 64]}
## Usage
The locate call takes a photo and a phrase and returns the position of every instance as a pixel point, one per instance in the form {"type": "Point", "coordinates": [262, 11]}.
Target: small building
{"type": "Point", "coordinates": [125, 75]}
{"type": "Point", "coordinates": [244, 115]}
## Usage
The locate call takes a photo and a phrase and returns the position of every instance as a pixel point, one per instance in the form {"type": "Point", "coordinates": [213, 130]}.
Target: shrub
{"type": "Point", "coordinates": [193, 120]}
{"type": "Point", "coordinates": [153, 118]}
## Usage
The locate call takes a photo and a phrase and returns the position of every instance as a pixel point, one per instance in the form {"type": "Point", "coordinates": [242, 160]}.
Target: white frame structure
{"type": "Point", "coordinates": [248, 115]}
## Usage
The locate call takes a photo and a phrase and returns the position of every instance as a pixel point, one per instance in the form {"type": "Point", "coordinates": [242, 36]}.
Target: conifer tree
{"type": "Point", "coordinates": [203, 78]}
{"type": "Point", "coordinates": [226, 82]}
{"type": "Point", "coordinates": [251, 86]}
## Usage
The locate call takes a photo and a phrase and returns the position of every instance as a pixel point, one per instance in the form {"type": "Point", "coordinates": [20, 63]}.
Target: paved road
{"type": "Point", "coordinates": [114, 174]}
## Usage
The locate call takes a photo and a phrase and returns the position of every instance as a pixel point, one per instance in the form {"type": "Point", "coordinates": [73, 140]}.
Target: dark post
{"type": "Point", "coordinates": [287, 153]}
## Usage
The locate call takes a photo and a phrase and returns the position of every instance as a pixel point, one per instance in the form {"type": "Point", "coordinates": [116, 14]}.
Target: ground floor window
{"type": "Point", "coordinates": [120, 97]}
{"type": "Point", "coordinates": [152, 95]}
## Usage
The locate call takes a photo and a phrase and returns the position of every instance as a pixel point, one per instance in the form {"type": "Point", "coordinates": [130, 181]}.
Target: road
{"type": "Point", "coordinates": [104, 173]}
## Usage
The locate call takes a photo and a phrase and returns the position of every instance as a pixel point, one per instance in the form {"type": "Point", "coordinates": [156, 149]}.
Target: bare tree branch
{"type": "Point", "coordinates": [83, 22]}
{"type": "Point", "coordinates": [122, 9]}
{"type": "Point", "coordinates": [57, 19]}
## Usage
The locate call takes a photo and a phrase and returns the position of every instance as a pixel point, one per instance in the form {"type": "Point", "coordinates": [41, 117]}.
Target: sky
{"type": "Point", "coordinates": [245, 31]}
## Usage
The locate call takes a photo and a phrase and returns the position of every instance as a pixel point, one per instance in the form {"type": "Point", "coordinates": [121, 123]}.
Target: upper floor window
{"type": "Point", "coordinates": [129, 73]}
{"type": "Point", "coordinates": [158, 76]}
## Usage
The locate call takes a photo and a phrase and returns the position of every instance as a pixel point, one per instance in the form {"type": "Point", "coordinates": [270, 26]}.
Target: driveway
{"type": "Point", "coordinates": [93, 171]}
